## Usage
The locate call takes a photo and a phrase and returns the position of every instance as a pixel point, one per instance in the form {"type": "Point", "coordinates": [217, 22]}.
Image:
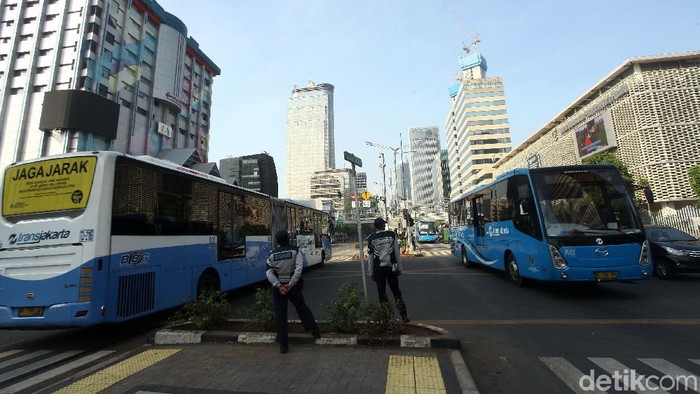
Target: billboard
{"type": "Point", "coordinates": [594, 136]}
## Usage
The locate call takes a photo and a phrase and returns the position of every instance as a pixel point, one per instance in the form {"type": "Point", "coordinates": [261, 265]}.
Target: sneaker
{"type": "Point", "coordinates": [284, 348]}
{"type": "Point", "coordinates": [316, 333]}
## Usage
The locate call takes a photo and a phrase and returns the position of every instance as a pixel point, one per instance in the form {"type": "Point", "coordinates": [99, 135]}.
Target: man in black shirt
{"type": "Point", "coordinates": [385, 265]}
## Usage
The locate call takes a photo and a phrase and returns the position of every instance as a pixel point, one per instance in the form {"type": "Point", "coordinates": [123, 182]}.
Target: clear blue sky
{"type": "Point", "coordinates": [391, 61]}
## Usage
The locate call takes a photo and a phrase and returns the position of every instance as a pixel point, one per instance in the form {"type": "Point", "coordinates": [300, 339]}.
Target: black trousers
{"type": "Point", "coordinates": [279, 304]}
{"type": "Point", "coordinates": [384, 275]}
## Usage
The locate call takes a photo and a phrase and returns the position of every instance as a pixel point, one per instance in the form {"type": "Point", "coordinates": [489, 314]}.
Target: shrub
{"type": "Point", "coordinates": [263, 314]}
{"type": "Point", "coordinates": [345, 310]}
{"type": "Point", "coordinates": [209, 310]}
{"type": "Point", "coordinates": [378, 319]}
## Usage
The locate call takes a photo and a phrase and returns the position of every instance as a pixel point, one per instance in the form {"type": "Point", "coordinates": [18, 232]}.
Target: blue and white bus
{"type": "Point", "coordinates": [425, 231]}
{"type": "Point", "coordinates": [103, 237]}
{"type": "Point", "coordinates": [575, 223]}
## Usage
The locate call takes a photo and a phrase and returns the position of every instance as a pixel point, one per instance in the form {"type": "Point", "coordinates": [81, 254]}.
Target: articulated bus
{"type": "Point", "coordinates": [103, 237]}
{"type": "Point", "coordinates": [575, 223]}
{"type": "Point", "coordinates": [425, 231]}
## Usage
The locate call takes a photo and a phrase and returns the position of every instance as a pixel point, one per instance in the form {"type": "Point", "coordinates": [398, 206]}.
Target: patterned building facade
{"type": "Point", "coordinates": [117, 75]}
{"type": "Point", "coordinates": [646, 111]}
{"type": "Point", "coordinates": [476, 130]}
{"type": "Point", "coordinates": [310, 137]}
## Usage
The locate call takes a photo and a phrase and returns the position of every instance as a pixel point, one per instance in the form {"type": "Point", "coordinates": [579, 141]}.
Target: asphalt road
{"type": "Point", "coordinates": [540, 338]}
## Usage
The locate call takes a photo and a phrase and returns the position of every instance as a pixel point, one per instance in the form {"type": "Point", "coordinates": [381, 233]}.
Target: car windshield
{"type": "Point", "coordinates": [591, 202]}
{"type": "Point", "coordinates": [668, 234]}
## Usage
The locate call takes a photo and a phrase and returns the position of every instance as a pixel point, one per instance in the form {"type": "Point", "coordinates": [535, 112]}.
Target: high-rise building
{"type": "Point", "coordinates": [425, 144]}
{"type": "Point", "coordinates": [255, 172]}
{"type": "Point", "coordinates": [332, 186]}
{"type": "Point", "coordinates": [443, 177]}
{"type": "Point", "coordinates": [117, 75]}
{"type": "Point", "coordinates": [310, 138]}
{"type": "Point", "coordinates": [476, 128]}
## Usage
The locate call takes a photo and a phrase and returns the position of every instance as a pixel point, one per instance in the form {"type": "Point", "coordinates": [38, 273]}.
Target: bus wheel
{"type": "Point", "coordinates": [208, 283]}
{"type": "Point", "coordinates": [512, 271]}
{"type": "Point", "coordinates": [465, 258]}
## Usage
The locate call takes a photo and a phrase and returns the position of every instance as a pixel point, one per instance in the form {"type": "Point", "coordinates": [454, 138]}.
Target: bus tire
{"type": "Point", "coordinates": [465, 258]}
{"type": "Point", "coordinates": [513, 272]}
{"type": "Point", "coordinates": [208, 283]}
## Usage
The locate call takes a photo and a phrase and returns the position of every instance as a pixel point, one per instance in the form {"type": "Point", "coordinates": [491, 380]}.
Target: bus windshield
{"type": "Point", "coordinates": [584, 202]}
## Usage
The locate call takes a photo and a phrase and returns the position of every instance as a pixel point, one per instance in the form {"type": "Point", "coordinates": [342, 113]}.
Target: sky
{"type": "Point", "coordinates": [392, 62]}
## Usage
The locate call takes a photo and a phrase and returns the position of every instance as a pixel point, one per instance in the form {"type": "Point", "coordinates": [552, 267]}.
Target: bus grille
{"type": "Point", "coordinates": [136, 294]}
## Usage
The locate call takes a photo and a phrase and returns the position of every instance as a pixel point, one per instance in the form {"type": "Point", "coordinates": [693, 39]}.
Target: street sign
{"type": "Point", "coordinates": [365, 195]}
{"type": "Point", "coordinates": [352, 158]}
{"type": "Point", "coordinates": [339, 221]}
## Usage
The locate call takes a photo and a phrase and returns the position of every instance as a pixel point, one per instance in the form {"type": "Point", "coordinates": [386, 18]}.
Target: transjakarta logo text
{"type": "Point", "coordinates": [35, 238]}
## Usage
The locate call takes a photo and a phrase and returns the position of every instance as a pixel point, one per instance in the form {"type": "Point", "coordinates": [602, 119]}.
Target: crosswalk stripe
{"type": "Point", "coordinates": [105, 378]}
{"type": "Point", "coordinates": [34, 380]}
{"type": "Point", "coordinates": [566, 372]}
{"type": "Point", "coordinates": [36, 365]}
{"type": "Point", "coordinates": [22, 358]}
{"type": "Point", "coordinates": [611, 366]}
{"type": "Point", "coordinates": [10, 353]}
{"type": "Point", "coordinates": [671, 370]}
{"type": "Point", "coordinates": [695, 361]}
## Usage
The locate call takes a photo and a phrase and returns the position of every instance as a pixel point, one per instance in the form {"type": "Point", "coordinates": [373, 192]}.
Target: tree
{"type": "Point", "coordinates": [610, 158]}
{"type": "Point", "coordinates": [694, 175]}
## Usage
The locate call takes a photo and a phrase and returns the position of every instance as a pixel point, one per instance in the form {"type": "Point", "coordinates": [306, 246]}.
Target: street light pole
{"type": "Point", "coordinates": [386, 214]}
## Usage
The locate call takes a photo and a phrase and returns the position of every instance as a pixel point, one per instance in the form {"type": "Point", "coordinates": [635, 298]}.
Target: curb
{"type": "Point", "coordinates": [169, 336]}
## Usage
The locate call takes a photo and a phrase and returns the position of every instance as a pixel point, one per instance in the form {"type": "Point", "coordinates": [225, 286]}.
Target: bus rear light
{"type": "Point", "coordinates": [81, 313]}
{"type": "Point", "coordinates": [644, 255]}
{"type": "Point", "coordinates": [558, 261]}
{"type": "Point", "coordinates": [86, 271]}
{"type": "Point", "coordinates": [84, 298]}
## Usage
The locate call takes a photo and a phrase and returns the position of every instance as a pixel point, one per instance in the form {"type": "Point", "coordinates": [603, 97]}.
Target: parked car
{"type": "Point", "coordinates": [673, 251]}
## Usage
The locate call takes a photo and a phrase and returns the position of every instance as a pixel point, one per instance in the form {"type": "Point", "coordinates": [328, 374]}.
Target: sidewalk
{"type": "Point", "coordinates": [257, 366]}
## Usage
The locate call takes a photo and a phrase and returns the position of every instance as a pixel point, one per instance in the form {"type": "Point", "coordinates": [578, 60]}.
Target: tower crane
{"type": "Point", "coordinates": [475, 39]}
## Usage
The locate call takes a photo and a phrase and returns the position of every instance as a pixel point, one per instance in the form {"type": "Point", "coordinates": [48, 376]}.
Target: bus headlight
{"type": "Point", "coordinates": [644, 255]}
{"type": "Point", "coordinates": [558, 261]}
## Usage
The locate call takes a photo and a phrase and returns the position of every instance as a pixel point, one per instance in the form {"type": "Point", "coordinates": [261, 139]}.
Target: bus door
{"type": "Point", "coordinates": [479, 220]}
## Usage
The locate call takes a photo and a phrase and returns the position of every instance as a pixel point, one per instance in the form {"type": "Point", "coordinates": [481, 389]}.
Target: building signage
{"type": "Point", "coordinates": [533, 161]}
{"type": "Point", "coordinates": [165, 130]}
{"type": "Point", "coordinates": [50, 185]}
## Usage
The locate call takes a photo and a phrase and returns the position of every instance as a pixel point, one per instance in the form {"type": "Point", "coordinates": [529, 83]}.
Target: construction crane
{"type": "Point", "coordinates": [474, 38]}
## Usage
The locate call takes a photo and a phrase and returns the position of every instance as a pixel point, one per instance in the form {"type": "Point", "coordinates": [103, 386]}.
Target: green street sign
{"type": "Point", "coordinates": [340, 221]}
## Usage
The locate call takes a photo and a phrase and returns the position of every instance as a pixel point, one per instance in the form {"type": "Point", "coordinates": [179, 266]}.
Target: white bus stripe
{"type": "Point", "coordinates": [566, 372]}
{"type": "Point", "coordinates": [672, 370]}
{"type": "Point", "coordinates": [610, 365]}
{"type": "Point", "coordinates": [34, 380]}
{"type": "Point", "coordinates": [36, 365]}
{"type": "Point", "coordinates": [22, 358]}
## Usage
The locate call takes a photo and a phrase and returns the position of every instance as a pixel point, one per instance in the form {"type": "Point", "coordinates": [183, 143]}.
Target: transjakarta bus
{"type": "Point", "coordinates": [103, 237]}
{"type": "Point", "coordinates": [574, 223]}
{"type": "Point", "coordinates": [425, 231]}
